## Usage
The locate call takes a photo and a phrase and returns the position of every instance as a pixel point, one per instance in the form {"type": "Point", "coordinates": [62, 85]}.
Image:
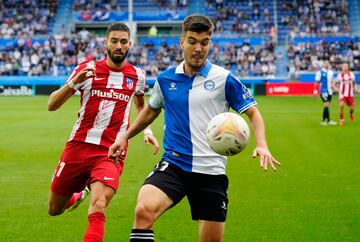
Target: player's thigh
{"type": "Point", "coordinates": [207, 195]}
{"type": "Point", "coordinates": [210, 231]}
{"type": "Point", "coordinates": [71, 173]}
{"type": "Point", "coordinates": [154, 200]}
{"type": "Point", "coordinates": [105, 171]}
{"type": "Point", "coordinates": [163, 188]}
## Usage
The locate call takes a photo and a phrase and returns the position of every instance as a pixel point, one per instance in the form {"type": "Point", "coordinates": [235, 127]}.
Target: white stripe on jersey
{"type": "Point", "coordinates": [102, 120]}
{"type": "Point", "coordinates": [213, 163]}
{"type": "Point", "coordinates": [115, 80]}
{"type": "Point", "coordinates": [85, 99]}
{"type": "Point", "coordinates": [125, 121]}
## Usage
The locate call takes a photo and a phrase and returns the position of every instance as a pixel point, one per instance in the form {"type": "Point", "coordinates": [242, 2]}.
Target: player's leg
{"type": "Point", "coordinates": [101, 195]}
{"type": "Point", "coordinates": [207, 195]}
{"type": "Point", "coordinates": [351, 104]}
{"type": "Point", "coordinates": [210, 231]}
{"type": "Point", "coordinates": [57, 203]}
{"type": "Point", "coordinates": [68, 181]}
{"type": "Point", "coordinates": [104, 181]}
{"type": "Point", "coordinates": [342, 104]}
{"type": "Point", "coordinates": [325, 116]}
{"type": "Point", "coordinates": [161, 190]}
{"type": "Point", "coordinates": [151, 203]}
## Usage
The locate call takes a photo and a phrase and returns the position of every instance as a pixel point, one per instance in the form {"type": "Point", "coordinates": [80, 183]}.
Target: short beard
{"type": "Point", "coordinates": [116, 60]}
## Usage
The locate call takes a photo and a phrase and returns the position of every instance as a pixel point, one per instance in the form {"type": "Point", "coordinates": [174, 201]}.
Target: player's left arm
{"type": "Point", "coordinates": [261, 148]}
{"type": "Point", "coordinates": [149, 138]}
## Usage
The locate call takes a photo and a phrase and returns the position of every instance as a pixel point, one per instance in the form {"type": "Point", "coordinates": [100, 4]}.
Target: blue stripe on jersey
{"type": "Point", "coordinates": [175, 89]}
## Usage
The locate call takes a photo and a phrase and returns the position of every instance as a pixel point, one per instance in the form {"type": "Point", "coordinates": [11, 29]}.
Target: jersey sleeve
{"type": "Point", "coordinates": [141, 83]}
{"type": "Point", "coordinates": [237, 94]}
{"type": "Point", "coordinates": [157, 99]}
{"type": "Point", "coordinates": [318, 76]}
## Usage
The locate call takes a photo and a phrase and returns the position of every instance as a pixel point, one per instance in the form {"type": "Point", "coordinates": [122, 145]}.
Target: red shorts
{"type": "Point", "coordinates": [82, 164]}
{"type": "Point", "coordinates": [348, 100]}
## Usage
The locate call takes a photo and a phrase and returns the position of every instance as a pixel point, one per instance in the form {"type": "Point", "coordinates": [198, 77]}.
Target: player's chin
{"type": "Point", "coordinates": [197, 63]}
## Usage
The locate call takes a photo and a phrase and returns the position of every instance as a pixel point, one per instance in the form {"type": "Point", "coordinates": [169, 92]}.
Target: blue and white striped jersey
{"type": "Point", "coordinates": [189, 104]}
{"type": "Point", "coordinates": [325, 77]}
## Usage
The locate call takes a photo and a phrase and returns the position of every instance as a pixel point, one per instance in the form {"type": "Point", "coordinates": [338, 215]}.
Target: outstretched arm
{"type": "Point", "coordinates": [60, 96]}
{"type": "Point", "coordinates": [261, 148]}
{"type": "Point", "coordinates": [143, 120]}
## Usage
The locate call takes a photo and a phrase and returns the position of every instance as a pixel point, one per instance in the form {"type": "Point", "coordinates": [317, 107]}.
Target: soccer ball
{"type": "Point", "coordinates": [227, 134]}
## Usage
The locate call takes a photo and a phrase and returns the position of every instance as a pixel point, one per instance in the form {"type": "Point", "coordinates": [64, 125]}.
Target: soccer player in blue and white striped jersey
{"type": "Point", "coordinates": [324, 78]}
{"type": "Point", "coordinates": [191, 94]}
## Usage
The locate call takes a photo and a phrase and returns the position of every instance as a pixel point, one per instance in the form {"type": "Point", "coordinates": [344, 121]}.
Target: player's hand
{"type": "Point", "coordinates": [315, 93]}
{"type": "Point", "coordinates": [88, 72]}
{"type": "Point", "coordinates": [150, 139]}
{"type": "Point", "coordinates": [266, 158]}
{"type": "Point", "coordinates": [116, 149]}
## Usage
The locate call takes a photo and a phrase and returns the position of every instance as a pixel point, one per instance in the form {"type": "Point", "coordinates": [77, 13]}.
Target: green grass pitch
{"type": "Point", "coordinates": [315, 196]}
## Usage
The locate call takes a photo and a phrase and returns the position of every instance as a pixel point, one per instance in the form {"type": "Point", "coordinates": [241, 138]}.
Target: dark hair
{"type": "Point", "coordinates": [117, 27]}
{"type": "Point", "coordinates": [197, 23]}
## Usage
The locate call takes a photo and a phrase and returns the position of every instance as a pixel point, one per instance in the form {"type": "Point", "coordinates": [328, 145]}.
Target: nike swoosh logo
{"type": "Point", "coordinates": [108, 178]}
{"type": "Point", "coordinates": [99, 78]}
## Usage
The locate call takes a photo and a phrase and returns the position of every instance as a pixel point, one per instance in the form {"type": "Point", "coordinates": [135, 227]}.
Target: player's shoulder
{"type": "Point", "coordinates": [169, 73]}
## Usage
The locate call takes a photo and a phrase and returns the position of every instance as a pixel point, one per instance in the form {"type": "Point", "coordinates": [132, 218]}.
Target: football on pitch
{"type": "Point", "coordinates": [227, 134]}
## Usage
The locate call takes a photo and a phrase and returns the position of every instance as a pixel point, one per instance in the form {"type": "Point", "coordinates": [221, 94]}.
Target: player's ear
{"type": "Point", "coordinates": [182, 42]}
{"type": "Point", "coordinates": [105, 43]}
{"type": "Point", "coordinates": [130, 43]}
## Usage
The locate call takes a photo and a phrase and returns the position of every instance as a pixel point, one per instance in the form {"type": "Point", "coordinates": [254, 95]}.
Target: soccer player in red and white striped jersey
{"type": "Point", "coordinates": [346, 85]}
{"type": "Point", "coordinates": [107, 88]}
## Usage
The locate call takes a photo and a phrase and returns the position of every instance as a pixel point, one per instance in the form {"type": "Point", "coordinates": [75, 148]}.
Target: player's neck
{"type": "Point", "coordinates": [190, 71]}
{"type": "Point", "coordinates": [112, 64]}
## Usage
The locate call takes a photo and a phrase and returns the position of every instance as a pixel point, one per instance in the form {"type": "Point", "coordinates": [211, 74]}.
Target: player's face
{"type": "Point", "coordinates": [326, 65]}
{"type": "Point", "coordinates": [345, 67]}
{"type": "Point", "coordinates": [195, 48]}
{"type": "Point", "coordinates": [117, 46]}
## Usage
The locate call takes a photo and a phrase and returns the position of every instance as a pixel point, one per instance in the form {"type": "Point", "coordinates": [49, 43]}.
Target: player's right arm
{"type": "Point", "coordinates": [60, 96]}
{"type": "Point", "coordinates": [143, 120]}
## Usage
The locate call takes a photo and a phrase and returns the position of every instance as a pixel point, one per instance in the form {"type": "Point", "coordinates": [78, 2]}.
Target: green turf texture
{"type": "Point", "coordinates": [315, 196]}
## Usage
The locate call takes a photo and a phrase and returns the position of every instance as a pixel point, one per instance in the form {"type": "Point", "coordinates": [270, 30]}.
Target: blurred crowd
{"type": "Point", "coordinates": [26, 16]}
{"type": "Point", "coordinates": [246, 17]}
{"type": "Point", "coordinates": [58, 55]}
{"type": "Point", "coordinates": [315, 17]}
{"type": "Point", "coordinates": [310, 56]}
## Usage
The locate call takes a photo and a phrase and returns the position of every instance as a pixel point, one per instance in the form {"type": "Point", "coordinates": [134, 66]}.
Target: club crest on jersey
{"type": "Point", "coordinates": [209, 85]}
{"type": "Point", "coordinates": [129, 83]}
{"type": "Point", "coordinates": [172, 86]}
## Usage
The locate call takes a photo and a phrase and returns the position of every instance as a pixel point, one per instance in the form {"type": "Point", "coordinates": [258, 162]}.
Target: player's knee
{"type": "Point", "coordinates": [144, 215]}
{"type": "Point", "coordinates": [98, 205]}
{"type": "Point", "coordinates": [54, 211]}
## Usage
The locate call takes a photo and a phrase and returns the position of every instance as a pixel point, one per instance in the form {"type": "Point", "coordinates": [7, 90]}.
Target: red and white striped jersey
{"type": "Point", "coordinates": [346, 84]}
{"type": "Point", "coordinates": [105, 102]}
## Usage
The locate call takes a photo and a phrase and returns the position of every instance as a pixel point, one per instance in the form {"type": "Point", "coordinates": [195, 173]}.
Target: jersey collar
{"type": "Point", "coordinates": [204, 71]}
